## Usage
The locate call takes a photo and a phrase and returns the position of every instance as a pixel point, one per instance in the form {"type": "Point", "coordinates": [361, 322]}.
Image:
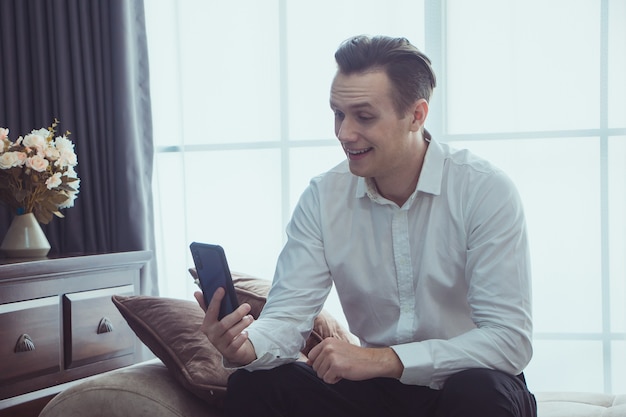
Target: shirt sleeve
{"type": "Point", "coordinates": [499, 294]}
{"type": "Point", "coordinates": [301, 285]}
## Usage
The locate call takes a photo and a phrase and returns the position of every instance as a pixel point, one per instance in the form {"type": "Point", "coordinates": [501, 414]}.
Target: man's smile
{"type": "Point", "coordinates": [356, 153]}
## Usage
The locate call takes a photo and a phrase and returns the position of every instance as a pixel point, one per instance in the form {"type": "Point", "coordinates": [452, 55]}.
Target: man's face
{"type": "Point", "coordinates": [377, 142]}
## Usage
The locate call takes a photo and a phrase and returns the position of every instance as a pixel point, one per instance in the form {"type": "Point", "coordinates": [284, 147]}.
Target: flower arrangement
{"type": "Point", "coordinates": [37, 173]}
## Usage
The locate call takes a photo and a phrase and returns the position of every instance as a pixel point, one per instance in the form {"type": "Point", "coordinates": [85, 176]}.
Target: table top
{"type": "Point", "coordinates": [18, 267]}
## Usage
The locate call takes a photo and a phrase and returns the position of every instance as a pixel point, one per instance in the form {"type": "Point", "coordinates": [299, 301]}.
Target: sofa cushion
{"type": "Point", "coordinates": [143, 390]}
{"type": "Point", "coordinates": [170, 329]}
{"type": "Point", "coordinates": [150, 390]}
{"type": "Point", "coordinates": [580, 404]}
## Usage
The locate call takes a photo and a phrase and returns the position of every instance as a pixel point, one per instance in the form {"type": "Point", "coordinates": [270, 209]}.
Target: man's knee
{"type": "Point", "coordinates": [240, 381]}
{"type": "Point", "coordinates": [265, 392]}
{"type": "Point", "coordinates": [489, 392]}
{"type": "Point", "coordinates": [479, 382]}
{"type": "Point", "coordinates": [253, 386]}
{"type": "Point", "coordinates": [245, 385]}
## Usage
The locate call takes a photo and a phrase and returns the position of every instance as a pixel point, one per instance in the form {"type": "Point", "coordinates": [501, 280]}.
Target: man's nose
{"type": "Point", "coordinates": [346, 131]}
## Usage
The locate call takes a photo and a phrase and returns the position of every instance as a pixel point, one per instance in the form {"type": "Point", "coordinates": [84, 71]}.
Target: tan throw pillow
{"type": "Point", "coordinates": [170, 329]}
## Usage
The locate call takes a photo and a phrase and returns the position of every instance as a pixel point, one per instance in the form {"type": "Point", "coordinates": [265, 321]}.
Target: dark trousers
{"type": "Point", "coordinates": [294, 390]}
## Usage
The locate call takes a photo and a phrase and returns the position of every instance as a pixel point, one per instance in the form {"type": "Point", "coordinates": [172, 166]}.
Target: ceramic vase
{"type": "Point", "coordinates": [25, 238]}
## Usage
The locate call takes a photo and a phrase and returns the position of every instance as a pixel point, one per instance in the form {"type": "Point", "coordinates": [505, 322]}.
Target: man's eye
{"type": "Point", "coordinates": [339, 115]}
{"type": "Point", "coordinates": [365, 117]}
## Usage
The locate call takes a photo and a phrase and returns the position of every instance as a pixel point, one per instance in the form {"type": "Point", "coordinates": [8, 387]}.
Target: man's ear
{"type": "Point", "coordinates": [420, 112]}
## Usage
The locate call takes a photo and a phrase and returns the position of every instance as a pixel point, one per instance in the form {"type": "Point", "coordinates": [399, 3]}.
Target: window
{"type": "Point", "coordinates": [241, 121]}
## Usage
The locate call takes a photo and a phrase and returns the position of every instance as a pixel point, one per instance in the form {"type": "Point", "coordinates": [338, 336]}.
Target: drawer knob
{"type": "Point", "coordinates": [24, 344]}
{"type": "Point", "coordinates": [105, 325]}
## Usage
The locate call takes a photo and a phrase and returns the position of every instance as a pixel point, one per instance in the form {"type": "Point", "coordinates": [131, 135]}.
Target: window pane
{"type": "Point", "coordinates": [314, 31]}
{"type": "Point", "coordinates": [566, 365]}
{"type": "Point", "coordinates": [229, 204]}
{"type": "Point", "coordinates": [522, 65]}
{"type": "Point", "coordinates": [225, 204]}
{"type": "Point", "coordinates": [228, 54]}
{"type": "Point", "coordinates": [617, 63]}
{"type": "Point", "coordinates": [617, 231]}
{"type": "Point", "coordinates": [560, 192]}
{"type": "Point", "coordinates": [618, 356]}
{"type": "Point", "coordinates": [170, 226]}
{"type": "Point", "coordinates": [164, 96]}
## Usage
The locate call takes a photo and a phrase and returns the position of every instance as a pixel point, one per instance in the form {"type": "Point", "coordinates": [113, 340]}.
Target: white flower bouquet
{"type": "Point", "coordinates": [37, 173]}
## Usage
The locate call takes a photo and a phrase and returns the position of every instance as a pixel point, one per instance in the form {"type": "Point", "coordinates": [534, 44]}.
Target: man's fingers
{"type": "Point", "coordinates": [213, 308]}
{"type": "Point", "coordinates": [240, 317]}
{"type": "Point", "coordinates": [239, 340]}
{"type": "Point", "coordinates": [228, 335]}
{"type": "Point", "coordinates": [222, 332]}
{"type": "Point", "coordinates": [200, 299]}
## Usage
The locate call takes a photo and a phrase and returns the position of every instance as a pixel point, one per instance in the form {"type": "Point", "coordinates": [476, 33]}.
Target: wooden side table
{"type": "Point", "coordinates": [58, 324]}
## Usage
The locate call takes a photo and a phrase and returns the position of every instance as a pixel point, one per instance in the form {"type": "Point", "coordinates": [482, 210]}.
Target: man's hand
{"type": "Point", "coordinates": [335, 359]}
{"type": "Point", "coordinates": [228, 335]}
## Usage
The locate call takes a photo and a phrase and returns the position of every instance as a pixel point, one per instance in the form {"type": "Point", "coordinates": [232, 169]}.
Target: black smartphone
{"type": "Point", "coordinates": [213, 273]}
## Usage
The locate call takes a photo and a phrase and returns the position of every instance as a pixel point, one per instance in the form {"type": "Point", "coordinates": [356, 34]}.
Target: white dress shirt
{"type": "Point", "coordinates": [444, 280]}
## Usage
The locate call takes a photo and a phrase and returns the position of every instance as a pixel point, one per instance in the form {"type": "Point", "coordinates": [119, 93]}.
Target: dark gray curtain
{"type": "Point", "coordinates": [85, 62]}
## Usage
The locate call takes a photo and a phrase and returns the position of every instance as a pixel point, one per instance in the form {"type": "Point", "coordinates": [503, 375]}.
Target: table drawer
{"type": "Point", "coordinates": [94, 329]}
{"type": "Point", "coordinates": [29, 339]}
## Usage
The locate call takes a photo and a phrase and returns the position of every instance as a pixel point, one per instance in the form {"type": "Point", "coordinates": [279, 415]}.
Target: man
{"type": "Point", "coordinates": [427, 249]}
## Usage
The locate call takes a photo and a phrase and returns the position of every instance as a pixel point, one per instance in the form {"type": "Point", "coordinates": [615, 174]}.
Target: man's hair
{"type": "Point", "coordinates": [408, 69]}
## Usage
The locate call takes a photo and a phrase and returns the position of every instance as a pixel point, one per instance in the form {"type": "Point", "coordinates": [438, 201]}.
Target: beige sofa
{"type": "Point", "coordinates": [188, 379]}
{"type": "Point", "coordinates": [150, 390]}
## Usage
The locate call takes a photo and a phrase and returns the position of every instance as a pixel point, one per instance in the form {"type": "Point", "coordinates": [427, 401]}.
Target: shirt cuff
{"type": "Point", "coordinates": [417, 362]}
{"type": "Point", "coordinates": [268, 355]}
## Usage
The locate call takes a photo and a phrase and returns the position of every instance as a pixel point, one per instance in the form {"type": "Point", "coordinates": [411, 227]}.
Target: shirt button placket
{"type": "Point", "coordinates": [404, 274]}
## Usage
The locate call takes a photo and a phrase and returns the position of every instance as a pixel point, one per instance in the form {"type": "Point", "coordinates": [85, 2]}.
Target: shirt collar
{"type": "Point", "coordinates": [430, 176]}
{"type": "Point", "coordinates": [365, 187]}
